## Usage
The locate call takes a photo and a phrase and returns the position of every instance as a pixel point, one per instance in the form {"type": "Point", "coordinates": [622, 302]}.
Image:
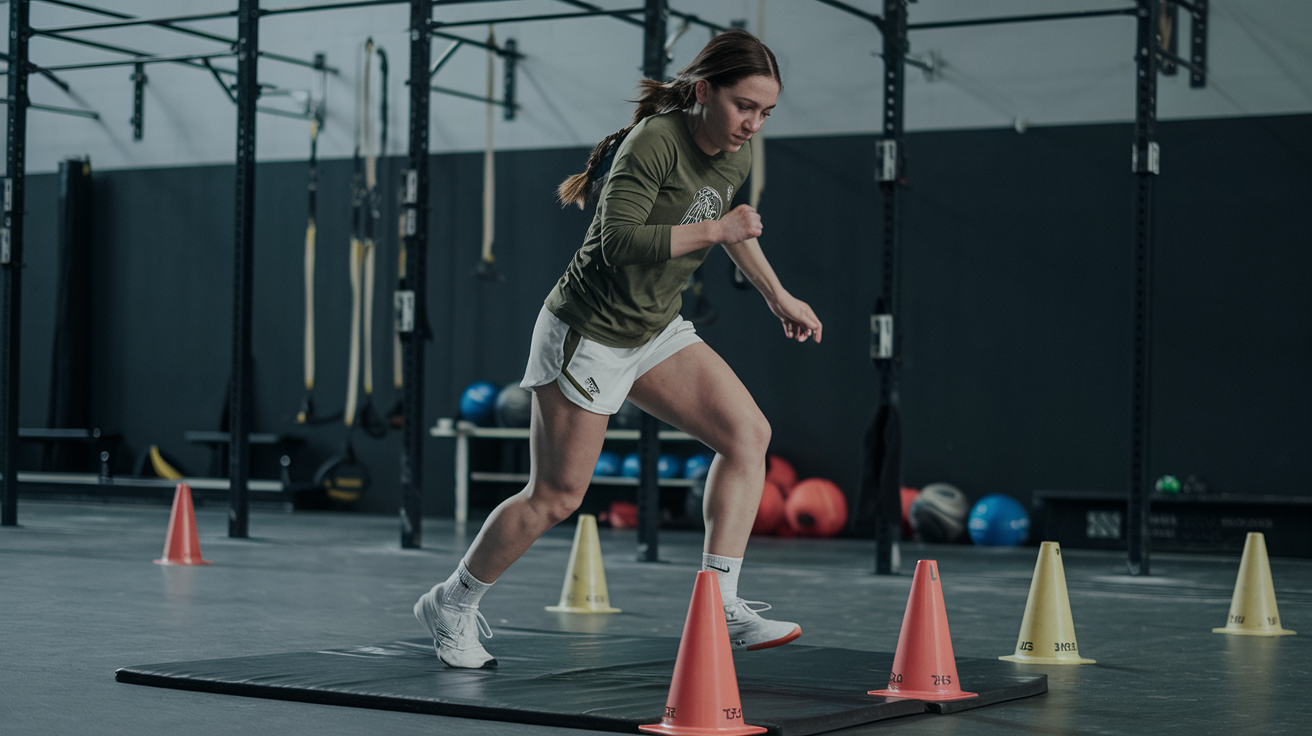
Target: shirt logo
{"type": "Point", "coordinates": [705, 206]}
{"type": "Point", "coordinates": [591, 386]}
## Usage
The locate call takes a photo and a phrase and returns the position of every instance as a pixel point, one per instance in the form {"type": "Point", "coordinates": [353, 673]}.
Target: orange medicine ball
{"type": "Point", "coordinates": [816, 508]}
{"type": "Point", "coordinates": [770, 514]}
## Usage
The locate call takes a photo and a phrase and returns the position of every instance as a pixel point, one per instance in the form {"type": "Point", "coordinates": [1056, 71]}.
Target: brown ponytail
{"type": "Point", "coordinates": [727, 59]}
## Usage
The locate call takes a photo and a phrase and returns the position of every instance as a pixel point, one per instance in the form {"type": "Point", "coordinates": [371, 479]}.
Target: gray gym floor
{"type": "Point", "coordinates": [79, 597]}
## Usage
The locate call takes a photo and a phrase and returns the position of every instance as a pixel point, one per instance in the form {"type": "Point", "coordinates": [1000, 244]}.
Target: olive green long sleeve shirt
{"type": "Point", "coordinates": [622, 288]}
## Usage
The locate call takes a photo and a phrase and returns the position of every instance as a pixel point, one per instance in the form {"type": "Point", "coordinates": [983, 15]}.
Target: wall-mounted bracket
{"type": "Point", "coordinates": [508, 78]}
{"type": "Point", "coordinates": [1168, 35]}
{"type": "Point", "coordinates": [881, 336]}
{"type": "Point", "coordinates": [887, 165]}
{"type": "Point", "coordinates": [138, 98]}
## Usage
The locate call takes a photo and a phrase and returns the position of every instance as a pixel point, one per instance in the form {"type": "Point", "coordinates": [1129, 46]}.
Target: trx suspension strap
{"type": "Point", "coordinates": [372, 424]}
{"type": "Point", "coordinates": [358, 194]}
{"type": "Point", "coordinates": [343, 477]}
{"type": "Point", "coordinates": [306, 414]}
{"type": "Point", "coordinates": [486, 268]}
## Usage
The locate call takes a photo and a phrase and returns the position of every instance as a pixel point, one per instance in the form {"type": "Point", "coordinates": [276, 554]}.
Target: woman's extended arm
{"type": "Point", "coordinates": [799, 321]}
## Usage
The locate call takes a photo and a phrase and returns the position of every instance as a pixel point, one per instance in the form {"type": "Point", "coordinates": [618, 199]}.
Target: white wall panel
{"type": "Point", "coordinates": [577, 74]}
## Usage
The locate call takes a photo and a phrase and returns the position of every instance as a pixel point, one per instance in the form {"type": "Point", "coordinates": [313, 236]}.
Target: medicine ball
{"type": "Point", "coordinates": [908, 497]}
{"type": "Point", "coordinates": [816, 508]}
{"type": "Point", "coordinates": [669, 466]}
{"type": "Point", "coordinates": [1168, 484]}
{"type": "Point", "coordinates": [938, 515]}
{"type": "Point", "coordinates": [697, 466]}
{"type": "Point", "coordinates": [780, 472]}
{"type": "Point", "coordinates": [770, 514]}
{"type": "Point", "coordinates": [621, 514]}
{"type": "Point", "coordinates": [999, 521]}
{"type": "Point", "coordinates": [514, 406]}
{"type": "Point", "coordinates": [608, 464]}
{"type": "Point", "coordinates": [478, 403]}
{"type": "Point", "coordinates": [631, 466]}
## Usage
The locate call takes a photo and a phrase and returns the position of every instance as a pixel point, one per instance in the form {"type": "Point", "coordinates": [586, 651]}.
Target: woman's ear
{"type": "Point", "coordinates": [702, 89]}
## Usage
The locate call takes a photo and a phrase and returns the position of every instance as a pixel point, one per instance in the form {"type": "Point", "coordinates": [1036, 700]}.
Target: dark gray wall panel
{"type": "Point", "coordinates": [1016, 285]}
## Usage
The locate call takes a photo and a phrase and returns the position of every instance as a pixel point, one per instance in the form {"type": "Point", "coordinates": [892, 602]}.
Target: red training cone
{"type": "Point", "coordinates": [924, 667]}
{"type": "Point", "coordinates": [181, 545]}
{"type": "Point", "coordinates": [703, 697]}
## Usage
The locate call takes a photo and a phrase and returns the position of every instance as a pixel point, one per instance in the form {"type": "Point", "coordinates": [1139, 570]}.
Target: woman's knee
{"type": "Point", "coordinates": [750, 438]}
{"type": "Point", "coordinates": [556, 501]}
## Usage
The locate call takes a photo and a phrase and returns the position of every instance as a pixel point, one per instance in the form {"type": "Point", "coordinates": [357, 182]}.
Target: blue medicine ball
{"type": "Point", "coordinates": [998, 521]}
{"type": "Point", "coordinates": [478, 403]}
{"type": "Point", "coordinates": [697, 466]}
{"type": "Point", "coordinates": [631, 466]}
{"type": "Point", "coordinates": [669, 466]}
{"type": "Point", "coordinates": [608, 464]}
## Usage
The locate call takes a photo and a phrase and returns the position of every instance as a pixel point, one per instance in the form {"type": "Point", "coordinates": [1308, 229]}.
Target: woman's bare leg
{"type": "Point", "coordinates": [564, 443]}
{"type": "Point", "coordinates": [696, 391]}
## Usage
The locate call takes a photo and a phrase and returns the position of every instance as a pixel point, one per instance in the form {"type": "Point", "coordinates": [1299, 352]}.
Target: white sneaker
{"type": "Point", "coordinates": [747, 630]}
{"type": "Point", "coordinates": [455, 630]}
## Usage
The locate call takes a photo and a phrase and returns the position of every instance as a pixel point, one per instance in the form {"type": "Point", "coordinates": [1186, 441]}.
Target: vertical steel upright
{"type": "Point", "coordinates": [416, 272]}
{"type": "Point", "coordinates": [649, 445]}
{"type": "Point", "coordinates": [240, 400]}
{"type": "Point", "coordinates": [887, 358]}
{"type": "Point", "coordinates": [11, 256]}
{"type": "Point", "coordinates": [1145, 165]}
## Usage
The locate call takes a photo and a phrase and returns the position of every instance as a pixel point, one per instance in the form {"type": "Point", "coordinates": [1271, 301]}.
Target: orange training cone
{"type": "Point", "coordinates": [181, 545]}
{"type": "Point", "coordinates": [1253, 606]}
{"type": "Point", "coordinates": [703, 697]}
{"type": "Point", "coordinates": [924, 667]}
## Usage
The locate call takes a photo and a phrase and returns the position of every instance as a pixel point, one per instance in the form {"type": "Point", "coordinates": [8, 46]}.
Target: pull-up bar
{"type": "Point", "coordinates": [359, 4]}
{"type": "Point", "coordinates": [61, 110]}
{"type": "Point", "coordinates": [1072, 15]}
{"type": "Point", "coordinates": [125, 21]}
{"type": "Point", "coordinates": [531, 18]}
{"type": "Point", "coordinates": [141, 60]}
{"type": "Point", "coordinates": [625, 15]}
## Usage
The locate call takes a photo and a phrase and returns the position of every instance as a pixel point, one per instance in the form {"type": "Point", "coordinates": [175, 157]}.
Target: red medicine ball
{"type": "Point", "coordinates": [816, 508]}
{"type": "Point", "coordinates": [780, 472]}
{"type": "Point", "coordinates": [770, 514]}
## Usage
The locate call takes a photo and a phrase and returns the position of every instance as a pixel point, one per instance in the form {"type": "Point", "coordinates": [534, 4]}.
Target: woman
{"type": "Point", "coordinates": [611, 329]}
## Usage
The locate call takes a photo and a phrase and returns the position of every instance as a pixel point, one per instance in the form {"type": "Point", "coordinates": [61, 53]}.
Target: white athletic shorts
{"type": "Point", "coordinates": [592, 375]}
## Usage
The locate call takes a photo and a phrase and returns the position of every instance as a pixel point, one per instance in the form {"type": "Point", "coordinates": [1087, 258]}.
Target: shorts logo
{"type": "Point", "coordinates": [591, 386]}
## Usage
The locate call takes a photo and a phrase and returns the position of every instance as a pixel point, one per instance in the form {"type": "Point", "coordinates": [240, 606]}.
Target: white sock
{"type": "Point", "coordinates": [463, 589]}
{"type": "Point", "coordinates": [726, 570]}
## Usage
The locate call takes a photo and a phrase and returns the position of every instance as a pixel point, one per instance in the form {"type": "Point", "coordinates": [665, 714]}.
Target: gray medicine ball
{"type": "Point", "coordinates": [938, 515]}
{"type": "Point", "coordinates": [514, 406]}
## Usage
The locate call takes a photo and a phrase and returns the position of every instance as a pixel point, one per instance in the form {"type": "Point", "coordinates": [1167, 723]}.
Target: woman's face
{"type": "Point", "coordinates": [732, 115]}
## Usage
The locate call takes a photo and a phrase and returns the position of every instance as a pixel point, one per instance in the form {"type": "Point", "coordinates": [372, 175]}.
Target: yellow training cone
{"type": "Point", "coordinates": [1047, 632]}
{"type": "Point", "coordinates": [585, 580]}
{"type": "Point", "coordinates": [1253, 606]}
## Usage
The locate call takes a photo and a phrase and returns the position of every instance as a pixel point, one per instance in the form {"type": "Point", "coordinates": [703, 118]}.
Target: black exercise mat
{"type": "Point", "coordinates": [606, 683]}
